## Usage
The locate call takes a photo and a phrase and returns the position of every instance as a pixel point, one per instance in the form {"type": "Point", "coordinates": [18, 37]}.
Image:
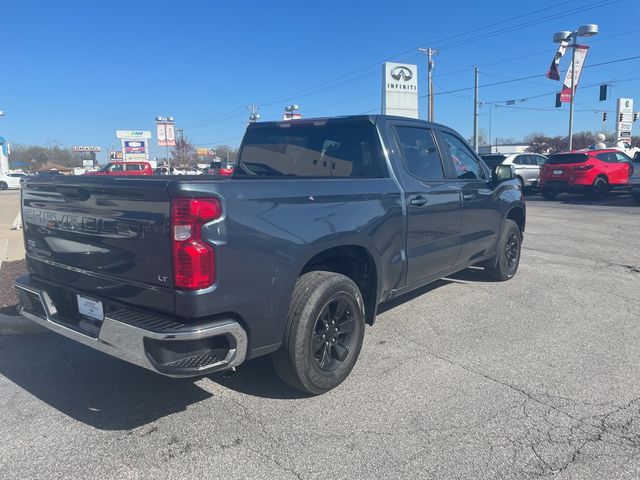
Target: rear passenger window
{"type": "Point", "coordinates": [419, 152]}
{"type": "Point", "coordinates": [608, 157]}
{"type": "Point", "coordinates": [134, 167]}
{"type": "Point", "coordinates": [464, 161]}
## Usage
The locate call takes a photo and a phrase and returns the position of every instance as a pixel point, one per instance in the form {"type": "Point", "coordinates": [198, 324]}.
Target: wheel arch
{"type": "Point", "coordinates": [518, 215]}
{"type": "Point", "coordinates": [354, 261]}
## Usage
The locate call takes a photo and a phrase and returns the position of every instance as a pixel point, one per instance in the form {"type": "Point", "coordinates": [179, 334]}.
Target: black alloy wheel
{"type": "Point", "coordinates": [333, 336]}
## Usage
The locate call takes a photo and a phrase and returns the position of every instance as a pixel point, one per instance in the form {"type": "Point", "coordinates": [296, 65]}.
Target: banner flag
{"type": "Point", "coordinates": [553, 72]}
{"type": "Point", "coordinates": [581, 55]}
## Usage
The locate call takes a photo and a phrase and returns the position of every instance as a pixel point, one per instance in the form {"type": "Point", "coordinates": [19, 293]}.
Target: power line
{"type": "Point", "coordinates": [528, 77]}
{"type": "Point", "coordinates": [573, 11]}
{"type": "Point", "coordinates": [534, 54]}
{"type": "Point", "coordinates": [324, 86]}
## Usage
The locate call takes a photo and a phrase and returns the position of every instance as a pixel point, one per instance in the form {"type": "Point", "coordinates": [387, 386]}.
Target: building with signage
{"type": "Point", "coordinates": [134, 144]}
{"type": "Point", "coordinates": [400, 89]}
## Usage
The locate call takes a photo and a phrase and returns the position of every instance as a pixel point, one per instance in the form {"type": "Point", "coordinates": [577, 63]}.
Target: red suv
{"type": "Point", "coordinates": [124, 168]}
{"type": "Point", "coordinates": [588, 171]}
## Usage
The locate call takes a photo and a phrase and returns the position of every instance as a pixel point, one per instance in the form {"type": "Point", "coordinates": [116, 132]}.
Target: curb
{"type": "Point", "coordinates": [18, 325]}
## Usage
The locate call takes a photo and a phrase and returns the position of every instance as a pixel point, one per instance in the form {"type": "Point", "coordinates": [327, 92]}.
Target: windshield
{"type": "Point", "coordinates": [561, 158]}
{"type": "Point", "coordinates": [493, 160]}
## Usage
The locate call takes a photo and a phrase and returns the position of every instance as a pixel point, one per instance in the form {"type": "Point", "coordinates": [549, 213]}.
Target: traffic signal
{"type": "Point", "coordinates": [603, 92]}
{"type": "Point", "coordinates": [620, 119]}
{"type": "Point", "coordinates": [604, 116]}
{"type": "Point", "coordinates": [635, 116]}
{"type": "Point", "coordinates": [558, 102]}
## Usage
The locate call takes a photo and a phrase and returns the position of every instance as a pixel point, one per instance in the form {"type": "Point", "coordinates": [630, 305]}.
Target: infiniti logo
{"type": "Point", "coordinates": [403, 73]}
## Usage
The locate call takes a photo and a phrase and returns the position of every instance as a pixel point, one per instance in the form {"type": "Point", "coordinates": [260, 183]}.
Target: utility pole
{"type": "Point", "coordinates": [430, 53]}
{"type": "Point", "coordinates": [475, 109]}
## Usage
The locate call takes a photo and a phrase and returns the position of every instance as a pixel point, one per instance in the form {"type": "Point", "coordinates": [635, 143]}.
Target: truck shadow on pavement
{"type": "Point", "coordinates": [110, 394]}
{"type": "Point", "coordinates": [91, 387]}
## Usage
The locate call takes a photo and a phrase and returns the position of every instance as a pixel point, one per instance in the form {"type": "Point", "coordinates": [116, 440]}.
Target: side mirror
{"type": "Point", "coordinates": [502, 173]}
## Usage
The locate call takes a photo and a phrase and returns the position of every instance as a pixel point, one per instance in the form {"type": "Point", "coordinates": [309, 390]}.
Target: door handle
{"type": "Point", "coordinates": [418, 201]}
{"type": "Point", "coordinates": [468, 196]}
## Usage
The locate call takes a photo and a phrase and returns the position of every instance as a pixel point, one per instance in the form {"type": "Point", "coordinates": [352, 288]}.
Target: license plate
{"type": "Point", "coordinates": [90, 308]}
{"type": "Point", "coordinates": [557, 172]}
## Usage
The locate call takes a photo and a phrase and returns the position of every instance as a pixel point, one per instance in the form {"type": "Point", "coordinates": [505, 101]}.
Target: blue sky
{"type": "Point", "coordinates": [77, 71]}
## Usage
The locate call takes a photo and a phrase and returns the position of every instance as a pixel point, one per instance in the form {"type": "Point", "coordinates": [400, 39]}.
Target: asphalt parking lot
{"type": "Point", "coordinates": [535, 377]}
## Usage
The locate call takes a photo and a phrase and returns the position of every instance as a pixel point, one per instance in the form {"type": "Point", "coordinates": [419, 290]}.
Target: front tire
{"type": "Point", "coordinates": [506, 264]}
{"type": "Point", "coordinates": [3, 186]}
{"type": "Point", "coordinates": [324, 333]}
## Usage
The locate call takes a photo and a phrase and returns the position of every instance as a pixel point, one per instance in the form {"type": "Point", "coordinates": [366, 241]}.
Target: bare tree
{"type": "Point", "coordinates": [184, 153]}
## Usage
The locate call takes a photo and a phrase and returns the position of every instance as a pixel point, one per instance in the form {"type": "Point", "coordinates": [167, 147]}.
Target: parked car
{"type": "Point", "coordinates": [322, 221]}
{"type": "Point", "coordinates": [10, 180]}
{"type": "Point", "coordinates": [527, 165]}
{"type": "Point", "coordinates": [586, 171]}
{"type": "Point", "coordinates": [224, 169]}
{"type": "Point", "coordinates": [626, 148]}
{"type": "Point", "coordinates": [124, 168]}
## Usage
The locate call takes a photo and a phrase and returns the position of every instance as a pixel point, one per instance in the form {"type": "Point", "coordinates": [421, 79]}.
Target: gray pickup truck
{"type": "Point", "coordinates": [322, 221]}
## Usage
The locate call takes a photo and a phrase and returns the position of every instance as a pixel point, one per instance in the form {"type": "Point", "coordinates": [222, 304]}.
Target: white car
{"type": "Point", "coordinates": [625, 147]}
{"type": "Point", "coordinates": [10, 180]}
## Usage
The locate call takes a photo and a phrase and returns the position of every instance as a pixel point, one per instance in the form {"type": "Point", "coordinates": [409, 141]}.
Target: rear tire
{"type": "Point", "coordinates": [324, 333]}
{"type": "Point", "coordinates": [3, 186]}
{"type": "Point", "coordinates": [506, 264]}
{"type": "Point", "coordinates": [600, 188]}
{"type": "Point", "coordinates": [548, 194]}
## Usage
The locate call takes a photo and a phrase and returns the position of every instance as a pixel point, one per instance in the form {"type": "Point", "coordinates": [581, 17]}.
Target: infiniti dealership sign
{"type": "Point", "coordinates": [400, 89]}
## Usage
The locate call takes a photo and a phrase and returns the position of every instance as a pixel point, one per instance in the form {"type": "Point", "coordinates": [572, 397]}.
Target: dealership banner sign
{"type": "Point", "coordinates": [166, 134]}
{"type": "Point", "coordinates": [580, 56]}
{"type": "Point", "coordinates": [553, 73]}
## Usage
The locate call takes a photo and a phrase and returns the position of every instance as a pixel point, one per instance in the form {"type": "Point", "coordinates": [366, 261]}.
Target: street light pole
{"type": "Point", "coordinates": [572, 36]}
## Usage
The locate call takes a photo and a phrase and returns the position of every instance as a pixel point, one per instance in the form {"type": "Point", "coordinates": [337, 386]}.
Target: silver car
{"type": "Point", "coordinates": [527, 165]}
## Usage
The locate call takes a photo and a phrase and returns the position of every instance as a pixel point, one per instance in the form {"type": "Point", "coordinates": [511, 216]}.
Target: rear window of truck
{"type": "Point", "coordinates": [567, 158]}
{"type": "Point", "coordinates": [312, 150]}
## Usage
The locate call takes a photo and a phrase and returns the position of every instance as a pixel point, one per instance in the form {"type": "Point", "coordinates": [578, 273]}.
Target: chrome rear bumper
{"type": "Point", "coordinates": [170, 349]}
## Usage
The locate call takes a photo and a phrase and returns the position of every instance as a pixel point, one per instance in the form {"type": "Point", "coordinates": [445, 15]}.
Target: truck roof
{"type": "Point", "coordinates": [339, 119]}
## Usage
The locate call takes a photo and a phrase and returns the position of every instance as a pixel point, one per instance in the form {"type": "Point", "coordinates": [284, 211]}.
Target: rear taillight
{"type": "Point", "coordinates": [226, 171]}
{"type": "Point", "coordinates": [193, 258]}
{"type": "Point", "coordinates": [583, 168]}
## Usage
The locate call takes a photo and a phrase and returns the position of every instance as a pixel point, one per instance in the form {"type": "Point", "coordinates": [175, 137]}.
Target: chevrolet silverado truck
{"type": "Point", "coordinates": [322, 221]}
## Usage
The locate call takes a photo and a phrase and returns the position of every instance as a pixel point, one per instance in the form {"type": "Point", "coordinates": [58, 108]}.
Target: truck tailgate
{"type": "Point", "coordinates": [116, 230]}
